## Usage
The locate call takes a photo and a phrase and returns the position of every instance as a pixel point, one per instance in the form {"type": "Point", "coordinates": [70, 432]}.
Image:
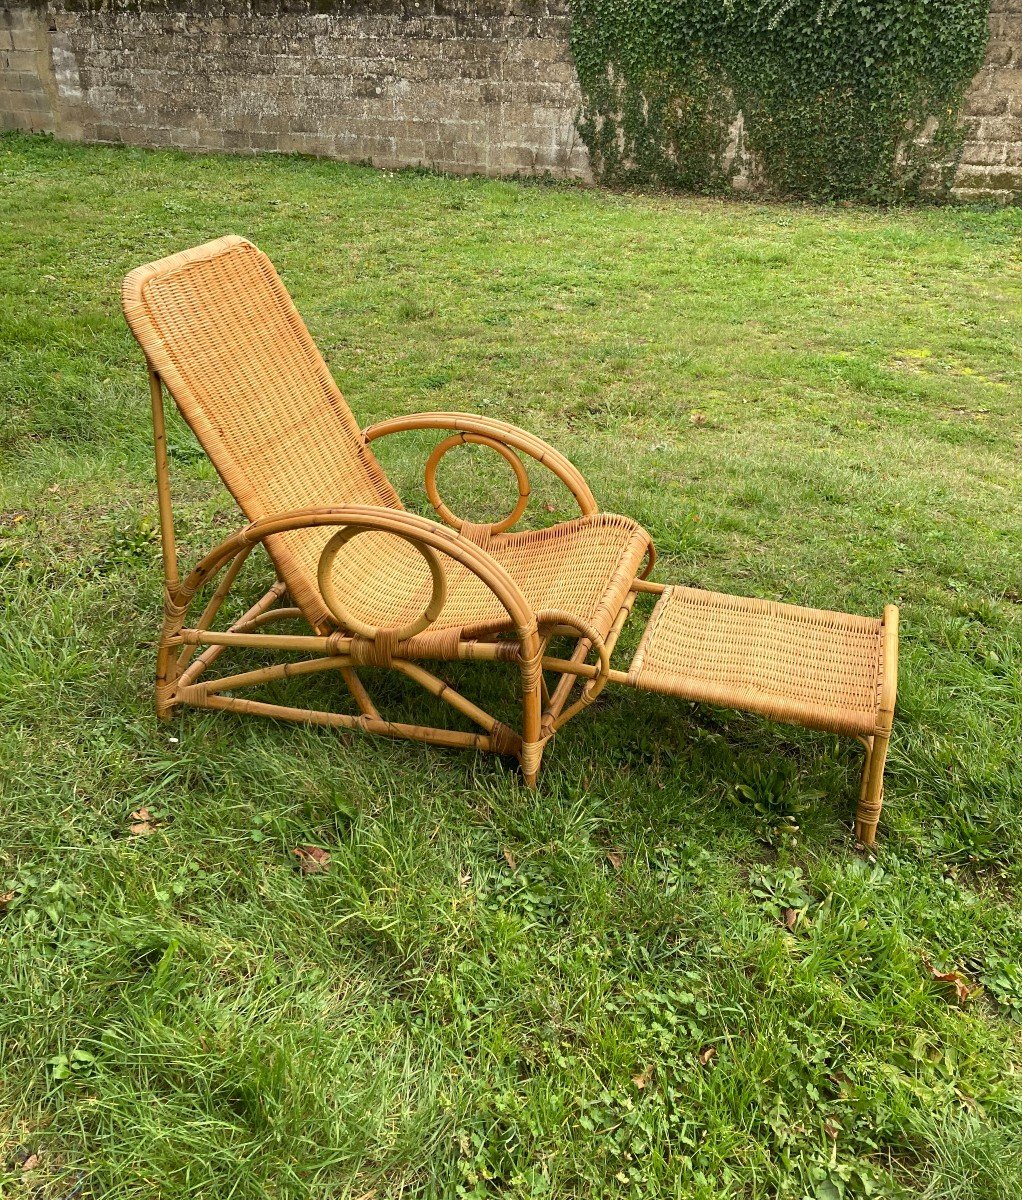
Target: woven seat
{"type": "Point", "coordinates": [378, 586]}
{"type": "Point", "coordinates": [811, 667]}
{"type": "Point", "coordinates": [583, 567]}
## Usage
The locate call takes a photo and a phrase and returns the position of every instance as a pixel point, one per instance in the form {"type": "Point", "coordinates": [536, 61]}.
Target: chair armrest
{"type": "Point", "coordinates": [428, 536]}
{"type": "Point", "coordinates": [497, 434]}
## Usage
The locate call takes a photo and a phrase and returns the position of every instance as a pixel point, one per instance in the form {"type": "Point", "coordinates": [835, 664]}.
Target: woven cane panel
{"type": "Point", "coordinates": [584, 566]}
{"type": "Point", "coordinates": [803, 665]}
{"type": "Point", "coordinates": [246, 376]}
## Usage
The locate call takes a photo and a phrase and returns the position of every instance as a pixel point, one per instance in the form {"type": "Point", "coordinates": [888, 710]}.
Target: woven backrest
{"type": "Point", "coordinates": [218, 326]}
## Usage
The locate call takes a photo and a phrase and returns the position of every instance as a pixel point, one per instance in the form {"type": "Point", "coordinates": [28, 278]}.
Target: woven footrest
{"type": "Point", "coordinates": [824, 670]}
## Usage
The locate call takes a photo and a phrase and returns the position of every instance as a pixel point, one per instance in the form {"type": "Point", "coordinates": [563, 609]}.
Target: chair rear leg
{"type": "Point", "coordinates": [166, 680]}
{"type": "Point", "coordinates": [871, 793]}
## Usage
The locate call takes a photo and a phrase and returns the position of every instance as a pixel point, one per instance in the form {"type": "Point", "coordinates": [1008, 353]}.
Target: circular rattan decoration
{"type": "Point", "coordinates": [341, 614]}
{"type": "Point", "coordinates": [458, 439]}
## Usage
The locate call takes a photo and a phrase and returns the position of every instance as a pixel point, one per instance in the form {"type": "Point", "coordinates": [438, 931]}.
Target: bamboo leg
{"type": "Point", "coordinates": [165, 674]}
{"type": "Point", "coordinates": [196, 692]}
{"type": "Point", "coordinates": [214, 650]}
{"type": "Point", "coordinates": [555, 703]}
{"type": "Point", "coordinates": [357, 689]}
{"type": "Point", "coordinates": [503, 739]}
{"type": "Point", "coordinates": [544, 642]}
{"type": "Point", "coordinates": [533, 740]}
{"type": "Point", "coordinates": [871, 793]}
{"type": "Point", "coordinates": [451, 738]}
{"type": "Point", "coordinates": [530, 758]}
{"type": "Point", "coordinates": [213, 607]}
{"type": "Point", "coordinates": [164, 690]}
{"type": "Point", "coordinates": [568, 680]}
{"type": "Point", "coordinates": [871, 798]}
{"type": "Point", "coordinates": [275, 614]}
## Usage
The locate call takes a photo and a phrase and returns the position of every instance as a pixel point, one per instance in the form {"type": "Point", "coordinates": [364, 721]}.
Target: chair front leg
{"type": "Point", "coordinates": [533, 738]}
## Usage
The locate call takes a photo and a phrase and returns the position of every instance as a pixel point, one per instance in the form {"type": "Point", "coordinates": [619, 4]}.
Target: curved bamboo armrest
{"type": "Point", "coordinates": [499, 436]}
{"type": "Point", "coordinates": [428, 536]}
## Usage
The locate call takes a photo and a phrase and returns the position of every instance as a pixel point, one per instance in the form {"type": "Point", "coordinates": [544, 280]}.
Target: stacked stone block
{"type": "Point", "coordinates": [26, 93]}
{"type": "Point", "coordinates": [991, 163]}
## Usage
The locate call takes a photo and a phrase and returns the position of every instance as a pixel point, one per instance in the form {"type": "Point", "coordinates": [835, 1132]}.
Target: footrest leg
{"type": "Point", "coordinates": [871, 794]}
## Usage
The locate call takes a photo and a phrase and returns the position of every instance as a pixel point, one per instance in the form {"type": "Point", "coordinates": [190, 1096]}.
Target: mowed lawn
{"type": "Point", "coordinates": [669, 971]}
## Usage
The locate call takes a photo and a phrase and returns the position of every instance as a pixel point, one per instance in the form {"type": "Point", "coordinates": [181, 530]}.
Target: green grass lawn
{"type": "Point", "coordinates": [590, 990]}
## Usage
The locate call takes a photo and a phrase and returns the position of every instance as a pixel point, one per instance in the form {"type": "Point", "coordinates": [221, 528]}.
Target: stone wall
{"type": "Point", "coordinates": [466, 86]}
{"type": "Point", "coordinates": [28, 98]}
{"type": "Point", "coordinates": [458, 85]}
{"type": "Point", "coordinates": [991, 164]}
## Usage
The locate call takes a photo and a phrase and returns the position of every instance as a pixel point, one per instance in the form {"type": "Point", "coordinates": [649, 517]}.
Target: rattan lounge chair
{"type": "Point", "coordinates": [378, 586]}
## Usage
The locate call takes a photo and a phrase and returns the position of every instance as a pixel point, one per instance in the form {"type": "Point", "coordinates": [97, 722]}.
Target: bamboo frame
{"type": "Point", "coordinates": [494, 620]}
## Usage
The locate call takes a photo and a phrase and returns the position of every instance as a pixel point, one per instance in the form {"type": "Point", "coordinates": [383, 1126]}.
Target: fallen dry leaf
{"type": "Point", "coordinates": [312, 860]}
{"type": "Point", "coordinates": [509, 858]}
{"type": "Point", "coordinates": [707, 1055]}
{"type": "Point", "coordinates": [143, 823]}
{"type": "Point", "coordinates": [956, 983]}
{"type": "Point", "coordinates": [615, 858]}
{"type": "Point", "coordinates": [30, 1163]}
{"type": "Point", "coordinates": [971, 1103]}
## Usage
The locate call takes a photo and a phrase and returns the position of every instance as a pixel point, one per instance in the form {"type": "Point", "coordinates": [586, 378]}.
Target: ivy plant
{"type": "Point", "coordinates": [824, 99]}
